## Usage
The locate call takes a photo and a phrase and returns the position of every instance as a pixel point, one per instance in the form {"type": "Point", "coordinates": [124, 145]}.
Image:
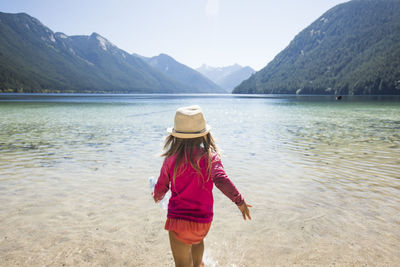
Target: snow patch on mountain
{"type": "Point", "coordinates": [103, 42]}
{"type": "Point", "coordinates": [62, 36]}
{"type": "Point", "coordinates": [51, 37]}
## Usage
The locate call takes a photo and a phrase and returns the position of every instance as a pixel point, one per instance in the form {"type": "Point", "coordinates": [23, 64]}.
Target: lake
{"type": "Point", "coordinates": [323, 177]}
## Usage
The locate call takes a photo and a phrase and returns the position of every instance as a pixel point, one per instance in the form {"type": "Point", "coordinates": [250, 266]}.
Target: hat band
{"type": "Point", "coordinates": [202, 131]}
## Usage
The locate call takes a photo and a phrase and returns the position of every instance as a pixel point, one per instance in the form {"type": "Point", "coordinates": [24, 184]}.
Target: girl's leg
{"type": "Point", "coordinates": [182, 252]}
{"type": "Point", "coordinates": [197, 254]}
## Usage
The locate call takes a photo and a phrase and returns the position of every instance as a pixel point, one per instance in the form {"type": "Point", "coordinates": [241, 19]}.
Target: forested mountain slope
{"type": "Point", "coordinates": [354, 49]}
{"type": "Point", "coordinates": [35, 59]}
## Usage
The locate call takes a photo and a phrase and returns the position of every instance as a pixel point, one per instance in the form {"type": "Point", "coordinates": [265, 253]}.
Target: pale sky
{"type": "Point", "coordinates": [194, 32]}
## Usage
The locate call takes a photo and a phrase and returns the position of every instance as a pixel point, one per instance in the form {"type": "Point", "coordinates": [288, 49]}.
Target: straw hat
{"type": "Point", "coordinates": [189, 123]}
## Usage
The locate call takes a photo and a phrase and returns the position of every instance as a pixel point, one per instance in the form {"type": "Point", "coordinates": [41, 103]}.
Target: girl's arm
{"type": "Point", "coordinates": [226, 186]}
{"type": "Point", "coordinates": [162, 185]}
{"type": "Point", "coordinates": [223, 183]}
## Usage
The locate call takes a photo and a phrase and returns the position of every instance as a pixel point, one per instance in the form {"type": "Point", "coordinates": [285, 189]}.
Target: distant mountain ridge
{"type": "Point", "coordinates": [352, 49]}
{"type": "Point", "coordinates": [35, 59]}
{"type": "Point", "coordinates": [226, 77]}
{"type": "Point", "coordinates": [183, 74]}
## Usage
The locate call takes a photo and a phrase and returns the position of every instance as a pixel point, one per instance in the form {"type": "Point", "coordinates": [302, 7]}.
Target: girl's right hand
{"type": "Point", "coordinates": [155, 200]}
{"type": "Point", "coordinates": [244, 208]}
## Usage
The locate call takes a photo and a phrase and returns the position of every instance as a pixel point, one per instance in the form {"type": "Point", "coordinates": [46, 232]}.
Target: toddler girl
{"type": "Point", "coordinates": [191, 167]}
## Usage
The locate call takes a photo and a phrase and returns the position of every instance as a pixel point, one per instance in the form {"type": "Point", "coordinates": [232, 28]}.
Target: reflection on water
{"type": "Point", "coordinates": [322, 175]}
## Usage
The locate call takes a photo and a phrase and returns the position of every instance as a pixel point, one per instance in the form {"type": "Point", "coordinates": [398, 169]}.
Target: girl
{"type": "Point", "coordinates": [190, 168]}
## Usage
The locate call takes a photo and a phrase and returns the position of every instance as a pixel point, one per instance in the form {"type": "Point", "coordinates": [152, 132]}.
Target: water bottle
{"type": "Point", "coordinates": [164, 202]}
{"type": "Point", "coordinates": [152, 181]}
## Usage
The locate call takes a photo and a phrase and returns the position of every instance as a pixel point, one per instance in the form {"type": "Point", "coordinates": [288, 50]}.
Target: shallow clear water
{"type": "Point", "coordinates": [322, 175]}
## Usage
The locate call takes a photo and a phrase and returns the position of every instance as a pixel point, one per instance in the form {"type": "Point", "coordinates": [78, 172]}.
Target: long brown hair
{"type": "Point", "coordinates": [190, 150]}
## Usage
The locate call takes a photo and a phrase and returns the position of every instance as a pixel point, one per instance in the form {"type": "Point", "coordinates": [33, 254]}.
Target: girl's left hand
{"type": "Point", "coordinates": [244, 208]}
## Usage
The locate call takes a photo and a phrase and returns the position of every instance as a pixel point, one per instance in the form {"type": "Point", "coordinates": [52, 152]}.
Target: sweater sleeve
{"type": "Point", "coordinates": [223, 183]}
{"type": "Point", "coordinates": [162, 185]}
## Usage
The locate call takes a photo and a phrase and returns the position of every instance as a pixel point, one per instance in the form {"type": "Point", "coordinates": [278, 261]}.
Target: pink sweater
{"type": "Point", "coordinates": [191, 195]}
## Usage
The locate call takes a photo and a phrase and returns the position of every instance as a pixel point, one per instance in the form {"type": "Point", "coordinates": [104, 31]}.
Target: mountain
{"type": "Point", "coordinates": [230, 81]}
{"type": "Point", "coordinates": [352, 49]}
{"type": "Point", "coordinates": [226, 77]}
{"type": "Point", "coordinates": [34, 59]}
{"type": "Point", "coordinates": [217, 74]}
{"type": "Point", "coordinates": [188, 77]}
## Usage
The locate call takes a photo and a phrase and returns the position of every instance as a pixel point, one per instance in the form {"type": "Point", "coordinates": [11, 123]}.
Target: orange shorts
{"type": "Point", "coordinates": [187, 231]}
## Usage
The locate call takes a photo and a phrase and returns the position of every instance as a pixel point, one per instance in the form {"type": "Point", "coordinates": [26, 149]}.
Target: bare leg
{"type": "Point", "coordinates": [182, 252]}
{"type": "Point", "coordinates": [197, 254]}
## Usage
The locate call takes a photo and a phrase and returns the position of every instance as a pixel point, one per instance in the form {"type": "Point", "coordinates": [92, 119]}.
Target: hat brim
{"type": "Point", "coordinates": [172, 132]}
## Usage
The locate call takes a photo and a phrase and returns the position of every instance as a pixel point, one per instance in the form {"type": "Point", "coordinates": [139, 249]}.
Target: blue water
{"type": "Point", "coordinates": [323, 177]}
